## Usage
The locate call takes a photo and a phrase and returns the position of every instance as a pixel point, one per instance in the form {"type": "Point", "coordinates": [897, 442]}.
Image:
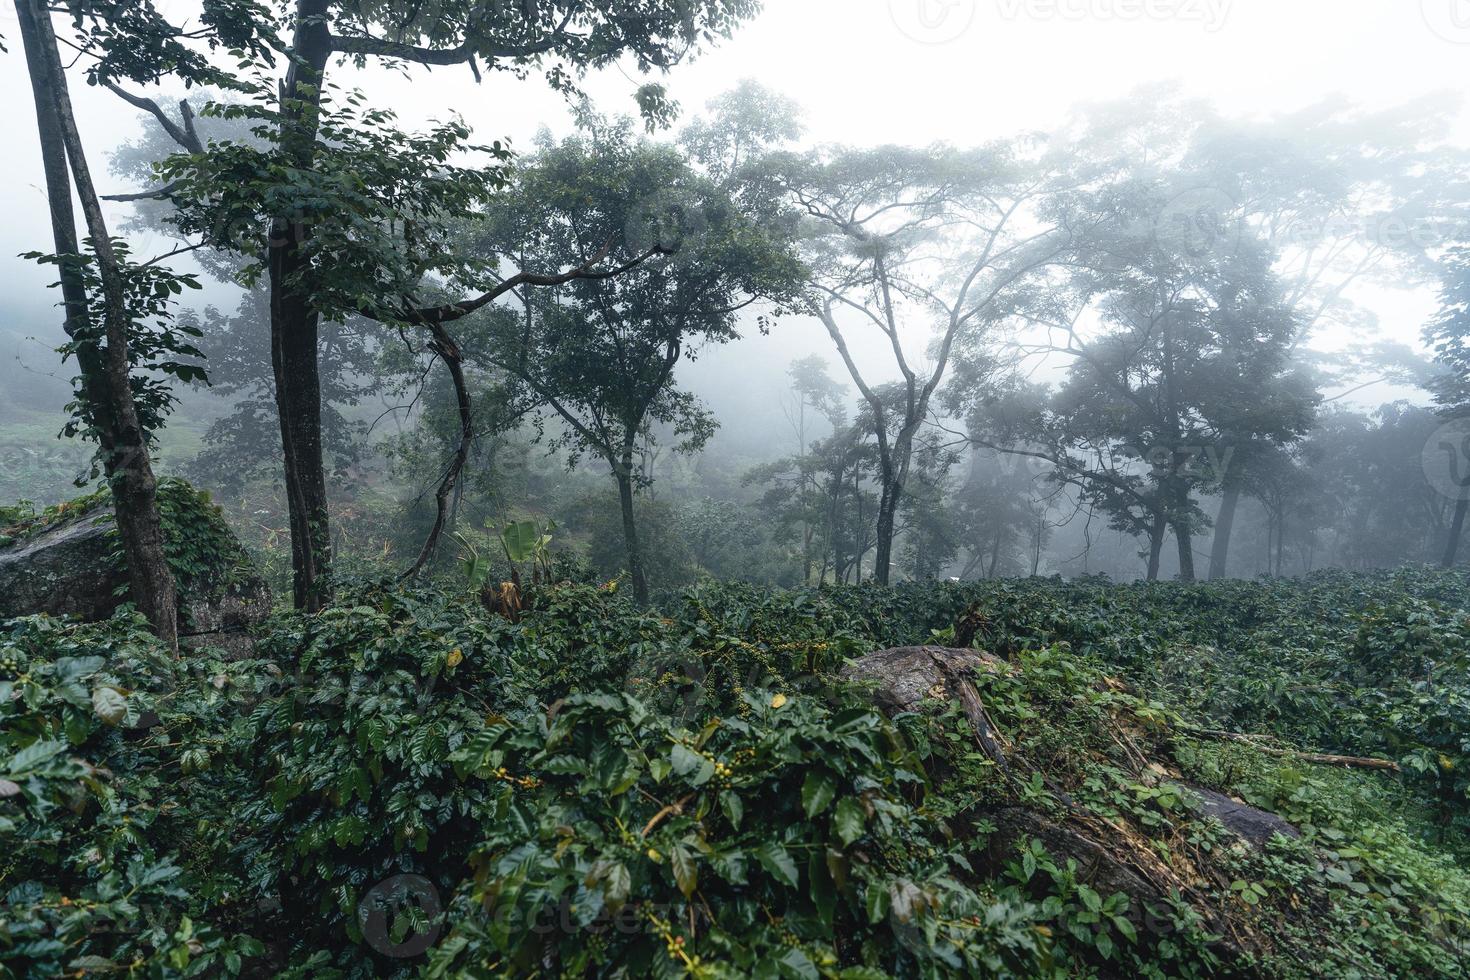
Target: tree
{"type": "Point", "coordinates": [1179, 349]}
{"type": "Point", "coordinates": [826, 490]}
{"type": "Point", "coordinates": [1022, 419]}
{"type": "Point", "coordinates": [902, 239]}
{"type": "Point", "coordinates": [813, 395]}
{"type": "Point", "coordinates": [599, 353]}
{"type": "Point", "coordinates": [102, 293]}
{"type": "Point", "coordinates": [1338, 195]}
{"type": "Point", "coordinates": [300, 199]}
{"type": "Point", "coordinates": [1449, 336]}
{"type": "Point", "coordinates": [930, 522]}
{"type": "Point", "coordinates": [1371, 470]}
{"type": "Point", "coordinates": [993, 513]}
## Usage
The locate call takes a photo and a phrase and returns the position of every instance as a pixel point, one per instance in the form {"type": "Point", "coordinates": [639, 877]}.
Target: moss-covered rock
{"type": "Point", "coordinates": [67, 561]}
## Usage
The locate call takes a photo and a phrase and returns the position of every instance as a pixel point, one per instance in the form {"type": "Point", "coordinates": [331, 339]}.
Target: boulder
{"type": "Point", "coordinates": [70, 568]}
{"type": "Point", "coordinates": [62, 571]}
{"type": "Point", "coordinates": [906, 676]}
{"type": "Point", "coordinates": [1254, 826]}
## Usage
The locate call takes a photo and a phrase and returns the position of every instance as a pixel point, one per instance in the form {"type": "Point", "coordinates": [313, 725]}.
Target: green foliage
{"type": "Point", "coordinates": [600, 790]}
{"type": "Point", "coordinates": [161, 349]}
{"type": "Point", "coordinates": [106, 818]}
{"type": "Point", "coordinates": [612, 814]}
{"type": "Point", "coordinates": [203, 552]}
{"type": "Point", "coordinates": [379, 201]}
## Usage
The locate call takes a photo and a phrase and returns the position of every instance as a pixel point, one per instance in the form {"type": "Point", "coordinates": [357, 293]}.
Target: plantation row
{"type": "Point", "coordinates": [408, 783]}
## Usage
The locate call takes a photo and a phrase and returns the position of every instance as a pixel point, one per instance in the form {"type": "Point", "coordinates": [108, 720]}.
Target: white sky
{"type": "Point", "coordinates": [913, 71]}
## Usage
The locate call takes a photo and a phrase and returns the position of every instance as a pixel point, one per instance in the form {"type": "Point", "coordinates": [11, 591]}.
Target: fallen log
{"type": "Point", "coordinates": [1342, 761]}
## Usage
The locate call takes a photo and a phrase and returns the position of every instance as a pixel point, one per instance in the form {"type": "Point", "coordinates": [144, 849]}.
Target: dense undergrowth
{"type": "Point", "coordinates": [407, 783]}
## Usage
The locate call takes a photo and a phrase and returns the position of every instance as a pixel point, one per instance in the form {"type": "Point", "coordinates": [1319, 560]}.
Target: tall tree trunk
{"type": "Point", "coordinates": [623, 470]}
{"type": "Point", "coordinates": [1156, 545]}
{"type": "Point", "coordinates": [1457, 528]}
{"type": "Point", "coordinates": [107, 382]}
{"type": "Point", "coordinates": [1224, 526]}
{"type": "Point", "coordinates": [1181, 506]}
{"type": "Point", "coordinates": [294, 326]}
{"type": "Point", "coordinates": [1036, 541]}
{"type": "Point", "coordinates": [1185, 541]}
{"type": "Point", "coordinates": [888, 501]}
{"type": "Point", "coordinates": [806, 554]}
{"type": "Point", "coordinates": [444, 347]}
{"type": "Point", "coordinates": [1280, 542]}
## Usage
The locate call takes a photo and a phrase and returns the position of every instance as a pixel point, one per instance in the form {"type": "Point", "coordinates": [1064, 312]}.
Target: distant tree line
{"type": "Point", "coordinates": [1102, 330]}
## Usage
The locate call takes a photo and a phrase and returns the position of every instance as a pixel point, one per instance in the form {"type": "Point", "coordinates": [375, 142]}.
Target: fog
{"type": "Point", "coordinates": [864, 73]}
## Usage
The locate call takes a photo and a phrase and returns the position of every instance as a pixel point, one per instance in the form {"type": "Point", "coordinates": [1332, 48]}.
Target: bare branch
{"type": "Point", "coordinates": [184, 135]}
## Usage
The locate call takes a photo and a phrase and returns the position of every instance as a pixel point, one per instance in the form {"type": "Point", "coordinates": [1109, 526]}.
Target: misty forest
{"type": "Point", "coordinates": [879, 488]}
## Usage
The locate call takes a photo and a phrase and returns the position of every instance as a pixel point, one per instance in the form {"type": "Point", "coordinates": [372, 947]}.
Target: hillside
{"type": "Point", "coordinates": [1259, 779]}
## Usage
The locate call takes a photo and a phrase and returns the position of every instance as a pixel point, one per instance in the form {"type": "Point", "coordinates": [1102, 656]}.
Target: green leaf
{"type": "Point", "coordinates": [616, 882]}
{"type": "Point", "coordinates": [734, 809]}
{"type": "Point", "coordinates": [686, 876]}
{"type": "Point", "coordinates": [849, 820]}
{"type": "Point", "coordinates": [777, 860]}
{"type": "Point", "coordinates": [877, 902]}
{"type": "Point", "coordinates": [797, 965]}
{"type": "Point", "coordinates": [33, 755]}
{"type": "Point", "coordinates": [817, 791]}
{"type": "Point", "coordinates": [109, 705]}
{"type": "Point", "coordinates": [822, 890]}
{"type": "Point", "coordinates": [729, 865]}
{"type": "Point", "coordinates": [689, 763]}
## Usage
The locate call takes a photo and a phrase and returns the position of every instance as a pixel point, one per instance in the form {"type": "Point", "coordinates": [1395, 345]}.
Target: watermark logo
{"type": "Point", "coordinates": [932, 21]}
{"type": "Point", "coordinates": [1446, 460]}
{"type": "Point", "coordinates": [1197, 222]}
{"type": "Point", "coordinates": [1450, 19]}
{"type": "Point", "coordinates": [400, 917]}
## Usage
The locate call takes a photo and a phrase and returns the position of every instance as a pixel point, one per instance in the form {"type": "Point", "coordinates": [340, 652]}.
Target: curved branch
{"type": "Point", "coordinates": [450, 312]}
{"type": "Point", "coordinates": [447, 351]}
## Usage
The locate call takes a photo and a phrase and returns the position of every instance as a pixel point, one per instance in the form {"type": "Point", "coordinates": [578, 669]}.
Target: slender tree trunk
{"type": "Point", "coordinates": [448, 351]}
{"type": "Point", "coordinates": [294, 327]}
{"type": "Point", "coordinates": [623, 470]}
{"type": "Point", "coordinates": [1156, 546]}
{"type": "Point", "coordinates": [1224, 526]}
{"type": "Point", "coordinates": [995, 553]}
{"type": "Point", "coordinates": [1280, 543]}
{"type": "Point", "coordinates": [1036, 544]}
{"type": "Point", "coordinates": [888, 502]}
{"type": "Point", "coordinates": [1180, 505]}
{"type": "Point", "coordinates": [1185, 541]}
{"type": "Point", "coordinates": [107, 382]}
{"type": "Point", "coordinates": [806, 553]}
{"type": "Point", "coordinates": [1457, 529]}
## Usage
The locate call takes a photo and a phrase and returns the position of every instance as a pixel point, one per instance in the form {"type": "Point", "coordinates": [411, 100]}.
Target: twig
{"type": "Point", "coordinates": [658, 818]}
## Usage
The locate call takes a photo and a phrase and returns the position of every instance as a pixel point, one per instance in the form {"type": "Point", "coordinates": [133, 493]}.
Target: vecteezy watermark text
{"type": "Point", "coordinates": [1212, 14]}
{"type": "Point", "coordinates": [942, 21]}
